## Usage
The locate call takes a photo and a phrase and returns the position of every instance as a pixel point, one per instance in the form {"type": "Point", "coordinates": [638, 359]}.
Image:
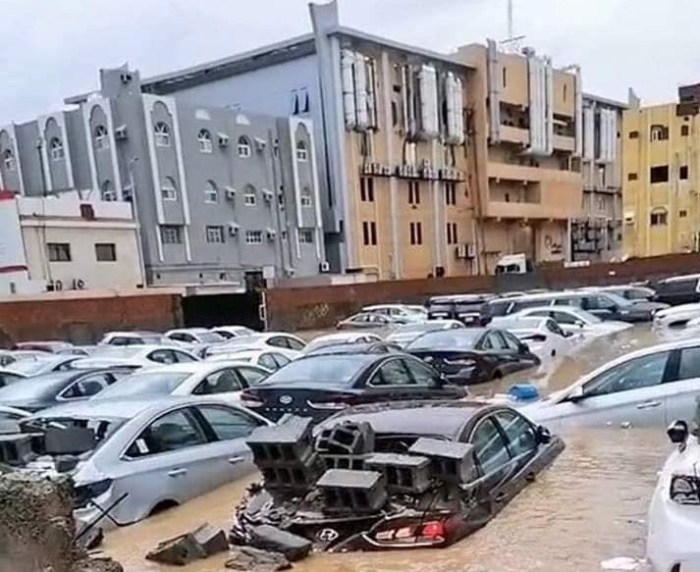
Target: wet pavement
{"type": "Point", "coordinates": [589, 507]}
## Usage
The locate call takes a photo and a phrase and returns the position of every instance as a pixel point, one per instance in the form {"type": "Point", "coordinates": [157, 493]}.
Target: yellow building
{"type": "Point", "coordinates": [660, 177]}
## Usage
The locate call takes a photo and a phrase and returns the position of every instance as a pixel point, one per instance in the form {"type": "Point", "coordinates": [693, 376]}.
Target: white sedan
{"type": "Point", "coordinates": [341, 338]}
{"type": "Point", "coordinates": [576, 321]}
{"type": "Point", "coordinates": [135, 357]}
{"type": "Point", "coordinates": [545, 338]}
{"type": "Point", "coordinates": [194, 336]}
{"type": "Point", "coordinates": [288, 344]}
{"type": "Point", "coordinates": [221, 379]}
{"type": "Point", "coordinates": [676, 316]}
{"type": "Point", "coordinates": [229, 332]}
{"type": "Point", "coordinates": [674, 513]}
{"type": "Point", "coordinates": [271, 360]}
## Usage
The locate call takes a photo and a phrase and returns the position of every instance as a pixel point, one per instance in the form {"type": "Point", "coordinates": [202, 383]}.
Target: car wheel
{"type": "Point", "coordinates": [162, 507]}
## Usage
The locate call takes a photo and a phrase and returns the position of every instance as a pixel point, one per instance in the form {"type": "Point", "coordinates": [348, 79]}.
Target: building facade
{"type": "Point", "coordinates": [221, 195]}
{"type": "Point", "coordinates": [661, 177]}
{"type": "Point", "coordinates": [67, 243]}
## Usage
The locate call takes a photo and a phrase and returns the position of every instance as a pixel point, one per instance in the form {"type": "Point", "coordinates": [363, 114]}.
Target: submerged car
{"type": "Point", "coordinates": [341, 338]}
{"type": "Point", "coordinates": [393, 476]}
{"type": "Point", "coordinates": [576, 321]}
{"type": "Point", "coordinates": [473, 355]}
{"type": "Point", "coordinates": [543, 336]}
{"type": "Point", "coordinates": [271, 360]}
{"type": "Point", "coordinates": [135, 357]}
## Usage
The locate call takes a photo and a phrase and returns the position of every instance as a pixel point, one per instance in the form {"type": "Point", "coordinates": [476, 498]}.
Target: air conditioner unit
{"type": "Point", "coordinates": [461, 251]}
{"type": "Point", "coordinates": [268, 195]}
{"type": "Point", "coordinates": [230, 193]}
{"type": "Point", "coordinates": [471, 250]}
{"type": "Point", "coordinates": [271, 234]}
{"type": "Point", "coordinates": [260, 144]}
{"type": "Point", "coordinates": [233, 228]}
{"type": "Point", "coordinates": [120, 133]}
{"type": "Point", "coordinates": [386, 170]}
{"type": "Point", "coordinates": [223, 139]}
{"type": "Point", "coordinates": [324, 266]}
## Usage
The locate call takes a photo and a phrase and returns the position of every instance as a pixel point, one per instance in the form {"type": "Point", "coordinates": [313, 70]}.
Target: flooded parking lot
{"type": "Point", "coordinates": [589, 507]}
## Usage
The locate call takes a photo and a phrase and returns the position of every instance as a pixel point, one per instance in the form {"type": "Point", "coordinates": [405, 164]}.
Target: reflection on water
{"type": "Point", "coordinates": [589, 507]}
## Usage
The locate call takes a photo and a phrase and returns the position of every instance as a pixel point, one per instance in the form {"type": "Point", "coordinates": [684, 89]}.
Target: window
{"type": "Point", "coordinates": [682, 213]}
{"type": "Point", "coordinates": [367, 189]}
{"type": "Point", "coordinates": [182, 357]}
{"type": "Point", "coordinates": [172, 432]}
{"type": "Point", "coordinates": [452, 233]}
{"type": "Point", "coordinates": [280, 360]}
{"type": "Point", "coordinates": [489, 448]}
{"type": "Point", "coordinates": [85, 387]}
{"type": "Point", "coordinates": [253, 237]}
{"type": "Point", "coordinates": [227, 423]}
{"type": "Point", "coordinates": [107, 192]}
{"type": "Point", "coordinates": [302, 152]}
{"type": "Point", "coordinates": [243, 147]}
{"type": "Point", "coordinates": [504, 76]}
{"type": "Point", "coordinates": [56, 148]}
{"type": "Point", "coordinates": [267, 362]}
{"type": "Point", "coordinates": [211, 193]}
{"type": "Point", "coordinates": [658, 217]}
{"type": "Point", "coordinates": [215, 234]}
{"type": "Point", "coordinates": [204, 140]}
{"type": "Point", "coordinates": [659, 133]}
{"type": "Point", "coordinates": [101, 138]}
{"type": "Point", "coordinates": [416, 233]}
{"type": "Point", "coordinates": [450, 194]}
{"type": "Point", "coordinates": [522, 439]}
{"type": "Point", "coordinates": [632, 176]}
{"type": "Point", "coordinates": [251, 375]}
{"type": "Point", "coordinates": [168, 190]}
{"type": "Point", "coordinates": [563, 94]}
{"type": "Point", "coordinates": [306, 197]}
{"type": "Point", "coordinates": [106, 252]}
{"type": "Point", "coordinates": [369, 233]}
{"type": "Point", "coordinates": [689, 367]}
{"type": "Point", "coordinates": [224, 381]}
{"type": "Point", "coordinates": [8, 160]}
{"type": "Point", "coordinates": [634, 135]}
{"type": "Point", "coordinates": [393, 372]}
{"type": "Point", "coordinates": [170, 234]}
{"type": "Point", "coordinates": [59, 252]}
{"type": "Point", "coordinates": [413, 193]}
{"type": "Point", "coordinates": [421, 373]}
{"type": "Point", "coordinates": [683, 173]}
{"type": "Point", "coordinates": [659, 174]}
{"type": "Point", "coordinates": [685, 131]}
{"type": "Point", "coordinates": [162, 134]}
{"type": "Point", "coordinates": [306, 236]}
{"type": "Point", "coordinates": [638, 373]}
{"type": "Point", "coordinates": [250, 198]}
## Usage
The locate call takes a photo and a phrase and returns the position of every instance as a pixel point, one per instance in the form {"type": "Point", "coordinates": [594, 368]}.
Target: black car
{"type": "Point", "coordinates": [318, 386]}
{"type": "Point", "coordinates": [473, 355]}
{"type": "Point", "coordinates": [36, 393]}
{"type": "Point", "coordinates": [678, 290]}
{"type": "Point", "coordinates": [415, 475]}
{"type": "Point", "coordinates": [465, 308]}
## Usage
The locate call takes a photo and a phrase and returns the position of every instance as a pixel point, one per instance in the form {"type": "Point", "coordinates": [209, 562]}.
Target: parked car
{"type": "Point", "coordinates": [628, 291]}
{"type": "Point", "coordinates": [47, 364]}
{"type": "Point", "coordinates": [366, 320]}
{"type": "Point", "coordinates": [36, 393]}
{"type": "Point", "coordinates": [132, 339]}
{"type": "Point", "coordinates": [544, 337]}
{"type": "Point", "coordinates": [6, 358]}
{"type": "Point", "coordinates": [465, 308]}
{"type": "Point", "coordinates": [677, 316]}
{"type": "Point", "coordinates": [7, 376]}
{"type": "Point", "coordinates": [135, 357]}
{"type": "Point", "coordinates": [154, 452]}
{"type": "Point", "coordinates": [194, 336]}
{"type": "Point", "coordinates": [674, 512]}
{"type": "Point", "coordinates": [45, 346]}
{"type": "Point", "coordinates": [648, 387]}
{"type": "Point", "coordinates": [229, 332]}
{"type": "Point", "coordinates": [399, 313]}
{"type": "Point", "coordinates": [84, 351]}
{"type": "Point", "coordinates": [223, 379]}
{"type": "Point", "coordinates": [381, 347]}
{"type": "Point", "coordinates": [504, 451]}
{"type": "Point", "coordinates": [473, 355]}
{"type": "Point", "coordinates": [404, 335]}
{"type": "Point", "coordinates": [575, 321]}
{"type": "Point", "coordinates": [341, 338]}
{"type": "Point", "coordinates": [678, 290]}
{"type": "Point", "coordinates": [317, 386]}
{"type": "Point", "coordinates": [270, 359]}
{"type": "Point", "coordinates": [288, 344]}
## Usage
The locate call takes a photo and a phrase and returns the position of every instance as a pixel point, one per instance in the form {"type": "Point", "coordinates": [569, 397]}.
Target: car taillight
{"type": "Point", "coordinates": [460, 361]}
{"type": "Point", "coordinates": [335, 401]}
{"type": "Point", "coordinates": [433, 530]}
{"type": "Point", "coordinates": [250, 399]}
{"type": "Point", "coordinates": [83, 494]}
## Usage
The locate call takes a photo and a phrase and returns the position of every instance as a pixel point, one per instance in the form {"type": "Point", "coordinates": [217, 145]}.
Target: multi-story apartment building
{"type": "Point", "coordinates": [661, 177]}
{"type": "Point", "coordinates": [222, 195]}
{"type": "Point", "coordinates": [525, 133]}
{"type": "Point", "coordinates": [597, 235]}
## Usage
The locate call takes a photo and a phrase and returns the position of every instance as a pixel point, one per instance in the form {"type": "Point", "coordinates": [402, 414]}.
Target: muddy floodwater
{"type": "Point", "coordinates": [589, 507]}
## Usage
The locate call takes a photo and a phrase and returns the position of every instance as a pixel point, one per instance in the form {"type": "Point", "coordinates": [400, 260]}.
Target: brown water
{"type": "Point", "coordinates": [589, 507]}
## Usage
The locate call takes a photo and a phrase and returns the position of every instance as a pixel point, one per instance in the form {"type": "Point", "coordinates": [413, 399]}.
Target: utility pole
{"type": "Point", "coordinates": [512, 42]}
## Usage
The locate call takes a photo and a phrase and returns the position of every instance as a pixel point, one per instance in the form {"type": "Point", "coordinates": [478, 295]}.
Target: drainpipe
{"type": "Point", "coordinates": [135, 213]}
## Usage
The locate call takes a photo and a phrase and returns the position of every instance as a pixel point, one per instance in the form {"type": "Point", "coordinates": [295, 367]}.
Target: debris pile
{"type": "Point", "coordinates": [203, 542]}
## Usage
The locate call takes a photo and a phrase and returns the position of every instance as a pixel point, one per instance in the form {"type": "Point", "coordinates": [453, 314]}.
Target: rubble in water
{"type": "Point", "coordinates": [246, 558]}
{"type": "Point", "coordinates": [201, 543]}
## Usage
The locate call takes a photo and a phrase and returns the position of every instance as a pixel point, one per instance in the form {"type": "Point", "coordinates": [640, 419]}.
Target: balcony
{"type": "Point", "coordinates": [510, 172]}
{"type": "Point", "coordinates": [564, 143]}
{"type": "Point", "coordinates": [518, 135]}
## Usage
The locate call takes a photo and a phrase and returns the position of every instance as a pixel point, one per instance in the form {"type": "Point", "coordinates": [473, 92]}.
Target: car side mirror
{"type": "Point", "coordinates": [678, 432]}
{"type": "Point", "coordinates": [523, 348]}
{"type": "Point", "coordinates": [579, 323]}
{"type": "Point", "coordinates": [576, 395]}
{"type": "Point", "coordinates": [543, 435]}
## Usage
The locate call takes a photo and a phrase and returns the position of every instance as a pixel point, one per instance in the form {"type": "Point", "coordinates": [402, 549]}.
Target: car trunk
{"type": "Point", "coordinates": [278, 401]}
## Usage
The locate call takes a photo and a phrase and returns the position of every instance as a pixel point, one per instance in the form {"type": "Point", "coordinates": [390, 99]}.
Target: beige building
{"type": "Point", "coordinates": [65, 243]}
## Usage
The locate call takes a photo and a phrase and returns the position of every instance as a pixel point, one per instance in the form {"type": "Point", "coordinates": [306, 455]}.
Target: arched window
{"type": "Point", "coordinates": [56, 148]}
{"type": "Point", "coordinates": [162, 133]}
{"type": "Point", "coordinates": [168, 190]}
{"type": "Point", "coordinates": [204, 139]}
{"type": "Point", "coordinates": [659, 216]}
{"type": "Point", "coordinates": [101, 137]}
{"type": "Point", "coordinates": [243, 147]}
{"type": "Point", "coordinates": [302, 151]}
{"type": "Point", "coordinates": [8, 160]}
{"type": "Point", "coordinates": [250, 197]}
{"type": "Point", "coordinates": [107, 192]}
{"type": "Point", "coordinates": [659, 133]}
{"type": "Point", "coordinates": [211, 193]}
{"type": "Point", "coordinates": [306, 197]}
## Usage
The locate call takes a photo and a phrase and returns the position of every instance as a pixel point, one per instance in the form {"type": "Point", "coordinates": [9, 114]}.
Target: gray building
{"type": "Point", "coordinates": [222, 195]}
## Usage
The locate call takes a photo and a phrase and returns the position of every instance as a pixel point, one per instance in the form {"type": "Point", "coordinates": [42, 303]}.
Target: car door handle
{"type": "Point", "coordinates": [177, 472]}
{"type": "Point", "coordinates": [648, 405]}
{"type": "Point", "coordinates": [236, 460]}
{"type": "Point", "coordinates": [500, 497]}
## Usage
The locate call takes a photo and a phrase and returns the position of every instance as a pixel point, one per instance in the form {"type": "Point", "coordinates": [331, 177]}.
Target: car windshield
{"type": "Point", "coordinates": [146, 383]}
{"type": "Point", "coordinates": [447, 340]}
{"type": "Point", "coordinates": [32, 387]}
{"type": "Point", "coordinates": [326, 369]}
{"type": "Point", "coordinates": [617, 299]}
{"type": "Point", "coordinates": [31, 367]}
{"type": "Point", "coordinates": [210, 337]}
{"type": "Point", "coordinates": [118, 352]}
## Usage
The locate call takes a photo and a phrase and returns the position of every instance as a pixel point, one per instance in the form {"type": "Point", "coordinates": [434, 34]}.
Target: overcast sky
{"type": "Point", "coordinates": [52, 49]}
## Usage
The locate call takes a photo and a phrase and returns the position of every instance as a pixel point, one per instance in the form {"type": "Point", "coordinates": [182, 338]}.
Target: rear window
{"type": "Point", "coordinates": [683, 285]}
{"type": "Point", "coordinates": [462, 339]}
{"type": "Point", "coordinates": [325, 369]}
{"type": "Point", "coordinates": [146, 383]}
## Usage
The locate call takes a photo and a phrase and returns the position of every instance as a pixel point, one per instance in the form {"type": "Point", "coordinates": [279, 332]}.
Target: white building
{"type": "Point", "coordinates": [65, 243]}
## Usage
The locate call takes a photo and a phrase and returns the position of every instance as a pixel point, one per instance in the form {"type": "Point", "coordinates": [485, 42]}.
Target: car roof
{"type": "Point", "coordinates": [437, 418]}
{"type": "Point", "coordinates": [680, 278]}
{"type": "Point", "coordinates": [185, 367]}
{"type": "Point", "coordinates": [353, 348]}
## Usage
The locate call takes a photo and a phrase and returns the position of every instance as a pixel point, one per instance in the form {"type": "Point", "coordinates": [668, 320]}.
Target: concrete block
{"type": "Point", "coordinates": [212, 539]}
{"type": "Point", "coordinates": [349, 462]}
{"type": "Point", "coordinates": [15, 448]}
{"type": "Point", "coordinates": [247, 558]}
{"type": "Point", "coordinates": [268, 537]}
{"type": "Point", "coordinates": [285, 443]}
{"type": "Point", "coordinates": [299, 476]}
{"type": "Point", "coordinates": [451, 461]}
{"type": "Point", "coordinates": [177, 551]}
{"type": "Point", "coordinates": [402, 473]}
{"type": "Point", "coordinates": [346, 439]}
{"type": "Point", "coordinates": [357, 492]}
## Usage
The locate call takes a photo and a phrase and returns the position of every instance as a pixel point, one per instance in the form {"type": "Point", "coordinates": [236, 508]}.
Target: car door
{"type": "Point", "coordinates": [391, 381]}
{"type": "Point", "coordinates": [683, 385]}
{"type": "Point", "coordinates": [502, 357]}
{"type": "Point", "coordinates": [630, 393]}
{"type": "Point", "coordinates": [522, 358]}
{"type": "Point", "coordinates": [429, 383]}
{"type": "Point", "coordinates": [225, 383]}
{"type": "Point", "coordinates": [166, 357]}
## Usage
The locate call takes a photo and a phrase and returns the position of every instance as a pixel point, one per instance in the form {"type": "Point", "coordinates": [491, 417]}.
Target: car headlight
{"type": "Point", "coordinates": [685, 489]}
{"type": "Point", "coordinates": [83, 494]}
